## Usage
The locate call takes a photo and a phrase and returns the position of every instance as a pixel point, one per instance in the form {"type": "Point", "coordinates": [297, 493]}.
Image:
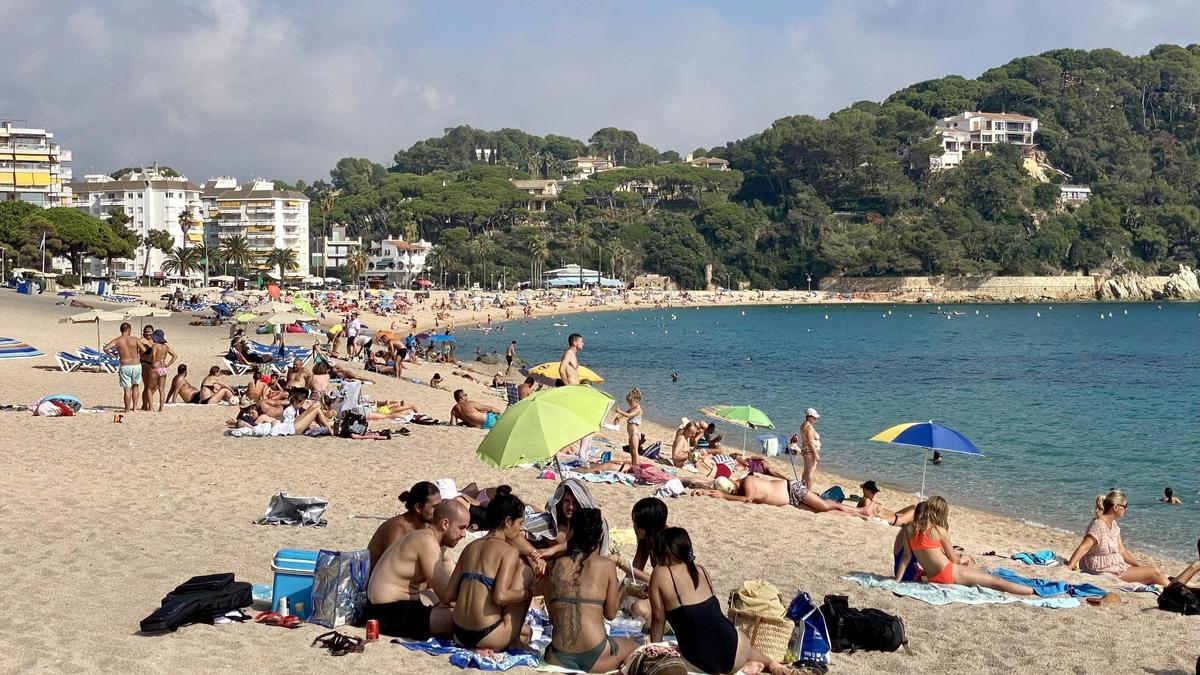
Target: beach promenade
{"type": "Point", "coordinates": [104, 518]}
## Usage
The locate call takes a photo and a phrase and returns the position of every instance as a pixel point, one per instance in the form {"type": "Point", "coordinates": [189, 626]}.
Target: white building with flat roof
{"type": "Point", "coordinates": [32, 167]}
{"type": "Point", "coordinates": [397, 260]}
{"type": "Point", "coordinates": [267, 217]}
{"type": "Point", "coordinates": [333, 250]}
{"type": "Point", "coordinates": [153, 201]}
{"type": "Point", "coordinates": [977, 131]}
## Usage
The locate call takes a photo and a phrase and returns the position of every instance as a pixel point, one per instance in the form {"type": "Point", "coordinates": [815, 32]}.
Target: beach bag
{"type": "Point", "coordinates": [354, 423]}
{"type": "Point", "coordinates": [834, 494]}
{"type": "Point", "coordinates": [284, 509]}
{"type": "Point", "coordinates": [868, 630]}
{"type": "Point", "coordinates": [339, 589]}
{"type": "Point", "coordinates": [756, 610]}
{"type": "Point", "coordinates": [1178, 598]}
{"type": "Point", "coordinates": [199, 599]}
{"type": "Point", "coordinates": [810, 644]}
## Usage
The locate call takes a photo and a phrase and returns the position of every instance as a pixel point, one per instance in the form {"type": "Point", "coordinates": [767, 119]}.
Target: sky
{"type": "Point", "coordinates": [282, 89]}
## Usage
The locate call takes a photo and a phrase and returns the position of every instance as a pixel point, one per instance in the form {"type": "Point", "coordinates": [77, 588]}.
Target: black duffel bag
{"type": "Point", "coordinates": [199, 599]}
{"type": "Point", "coordinates": [853, 630]}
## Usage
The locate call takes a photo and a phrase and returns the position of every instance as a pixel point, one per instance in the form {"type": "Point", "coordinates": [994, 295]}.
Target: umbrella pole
{"type": "Point", "coordinates": [924, 467]}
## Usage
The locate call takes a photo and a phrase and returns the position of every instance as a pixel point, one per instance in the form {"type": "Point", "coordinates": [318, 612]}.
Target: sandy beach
{"type": "Point", "coordinates": [105, 518]}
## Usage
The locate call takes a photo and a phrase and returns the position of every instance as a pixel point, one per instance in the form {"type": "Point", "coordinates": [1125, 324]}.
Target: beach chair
{"type": "Point", "coordinates": [109, 360]}
{"type": "Point", "coordinates": [236, 367]}
{"type": "Point", "coordinates": [70, 363]}
{"type": "Point", "coordinates": [510, 392]}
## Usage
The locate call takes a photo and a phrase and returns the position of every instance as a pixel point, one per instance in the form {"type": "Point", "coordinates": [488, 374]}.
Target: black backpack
{"type": "Point", "coordinates": [1177, 597]}
{"type": "Point", "coordinates": [199, 599]}
{"type": "Point", "coordinates": [352, 423]}
{"type": "Point", "coordinates": [861, 629]}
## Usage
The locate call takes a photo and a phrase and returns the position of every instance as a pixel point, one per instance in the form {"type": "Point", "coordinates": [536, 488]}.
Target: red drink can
{"type": "Point", "coordinates": [372, 630]}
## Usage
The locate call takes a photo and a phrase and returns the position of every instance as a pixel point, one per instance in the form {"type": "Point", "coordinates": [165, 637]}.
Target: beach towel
{"type": "Point", "coordinates": [468, 658]}
{"type": "Point", "coordinates": [945, 594]}
{"type": "Point", "coordinates": [1045, 558]}
{"type": "Point", "coordinates": [609, 477]}
{"type": "Point", "coordinates": [672, 488]}
{"type": "Point", "coordinates": [15, 349]}
{"type": "Point", "coordinates": [1046, 588]}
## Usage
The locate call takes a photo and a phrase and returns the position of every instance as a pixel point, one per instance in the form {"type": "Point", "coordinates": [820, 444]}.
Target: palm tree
{"type": "Point", "coordinates": [438, 257]}
{"type": "Point", "coordinates": [357, 262]}
{"type": "Point", "coordinates": [617, 254]}
{"type": "Point", "coordinates": [182, 261]}
{"type": "Point", "coordinates": [580, 238]}
{"type": "Point", "coordinates": [285, 260]}
{"type": "Point", "coordinates": [482, 247]}
{"type": "Point", "coordinates": [538, 247]}
{"type": "Point", "coordinates": [235, 250]}
{"type": "Point", "coordinates": [155, 239]}
{"type": "Point", "coordinates": [208, 256]}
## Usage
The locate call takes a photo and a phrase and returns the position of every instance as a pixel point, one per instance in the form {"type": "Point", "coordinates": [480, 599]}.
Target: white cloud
{"type": "Point", "coordinates": [283, 90]}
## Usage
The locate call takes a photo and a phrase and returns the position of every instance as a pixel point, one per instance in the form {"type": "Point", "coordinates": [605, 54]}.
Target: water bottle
{"type": "Point", "coordinates": [283, 607]}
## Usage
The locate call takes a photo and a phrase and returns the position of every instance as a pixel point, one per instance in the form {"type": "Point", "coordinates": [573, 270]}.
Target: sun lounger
{"type": "Point", "coordinates": [236, 367]}
{"type": "Point", "coordinates": [70, 363]}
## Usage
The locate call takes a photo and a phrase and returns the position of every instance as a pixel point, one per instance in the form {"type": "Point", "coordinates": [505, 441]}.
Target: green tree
{"type": "Point", "coordinates": [182, 261]}
{"type": "Point", "coordinates": [357, 262]}
{"type": "Point", "coordinates": [235, 250]}
{"type": "Point", "coordinates": [155, 240]}
{"type": "Point", "coordinates": [284, 260]}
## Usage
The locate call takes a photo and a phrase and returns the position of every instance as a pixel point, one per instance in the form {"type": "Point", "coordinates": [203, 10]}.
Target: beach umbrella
{"type": "Point", "coordinates": [928, 436]}
{"type": "Point", "coordinates": [143, 311]}
{"type": "Point", "coordinates": [66, 294]}
{"type": "Point", "coordinates": [744, 416]}
{"type": "Point", "coordinates": [97, 315]}
{"type": "Point", "coordinates": [304, 306]}
{"type": "Point", "coordinates": [273, 307]}
{"type": "Point", "coordinates": [421, 336]}
{"type": "Point", "coordinates": [244, 317]}
{"type": "Point", "coordinates": [550, 372]}
{"type": "Point", "coordinates": [537, 427]}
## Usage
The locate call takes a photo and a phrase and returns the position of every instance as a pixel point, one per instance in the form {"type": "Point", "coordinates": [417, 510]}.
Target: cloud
{"type": "Point", "coordinates": [272, 88]}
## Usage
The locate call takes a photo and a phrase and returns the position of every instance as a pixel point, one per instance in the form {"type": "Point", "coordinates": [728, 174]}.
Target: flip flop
{"type": "Point", "coordinates": [264, 617]}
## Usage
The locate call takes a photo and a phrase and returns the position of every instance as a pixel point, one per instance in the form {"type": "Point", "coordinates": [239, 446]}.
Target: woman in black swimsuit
{"type": "Point", "coordinates": [491, 587]}
{"type": "Point", "coordinates": [581, 591]}
{"type": "Point", "coordinates": [682, 593]}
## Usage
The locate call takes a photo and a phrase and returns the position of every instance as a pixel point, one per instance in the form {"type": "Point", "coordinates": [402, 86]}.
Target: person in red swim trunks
{"type": "Point", "coordinates": [928, 538]}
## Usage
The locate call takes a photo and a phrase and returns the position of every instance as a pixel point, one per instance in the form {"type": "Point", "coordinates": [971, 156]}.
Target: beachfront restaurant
{"type": "Point", "coordinates": [574, 276]}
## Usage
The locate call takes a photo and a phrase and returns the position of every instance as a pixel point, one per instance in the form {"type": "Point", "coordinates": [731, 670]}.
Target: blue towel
{"type": "Point", "coordinates": [944, 594]}
{"type": "Point", "coordinates": [1046, 557]}
{"type": "Point", "coordinates": [467, 658]}
{"type": "Point", "coordinates": [1046, 588]}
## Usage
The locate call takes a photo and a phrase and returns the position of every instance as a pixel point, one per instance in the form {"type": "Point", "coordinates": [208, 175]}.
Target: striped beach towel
{"type": "Point", "coordinates": [15, 349]}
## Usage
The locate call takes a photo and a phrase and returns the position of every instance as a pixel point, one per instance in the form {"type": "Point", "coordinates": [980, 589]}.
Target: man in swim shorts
{"type": "Point", "coordinates": [129, 350]}
{"type": "Point", "coordinates": [470, 413]}
{"type": "Point", "coordinates": [754, 489]}
{"type": "Point", "coordinates": [413, 566]}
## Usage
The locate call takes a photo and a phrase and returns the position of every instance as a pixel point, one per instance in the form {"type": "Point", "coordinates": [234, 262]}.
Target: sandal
{"type": "Point", "coordinates": [338, 644]}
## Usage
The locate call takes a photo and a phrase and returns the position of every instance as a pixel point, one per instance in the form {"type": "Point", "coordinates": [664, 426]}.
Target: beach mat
{"type": "Point", "coordinates": [15, 349]}
{"type": "Point", "coordinates": [945, 594]}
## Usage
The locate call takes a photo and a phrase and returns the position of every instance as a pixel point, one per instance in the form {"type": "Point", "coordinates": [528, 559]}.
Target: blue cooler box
{"type": "Point", "coordinates": [294, 569]}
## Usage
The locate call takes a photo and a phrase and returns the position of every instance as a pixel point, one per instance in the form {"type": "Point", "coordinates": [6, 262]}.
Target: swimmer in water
{"type": "Point", "coordinates": [1169, 497]}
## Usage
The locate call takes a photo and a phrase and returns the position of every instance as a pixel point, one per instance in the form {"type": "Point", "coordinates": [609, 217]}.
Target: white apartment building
{"type": "Point", "coordinates": [978, 131]}
{"type": "Point", "coordinates": [153, 201]}
{"type": "Point", "coordinates": [1073, 195]}
{"type": "Point", "coordinates": [397, 260]}
{"type": "Point", "coordinates": [32, 166]}
{"type": "Point", "coordinates": [333, 250]}
{"type": "Point", "coordinates": [267, 217]}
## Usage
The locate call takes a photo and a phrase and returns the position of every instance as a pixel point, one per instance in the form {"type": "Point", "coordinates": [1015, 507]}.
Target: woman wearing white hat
{"type": "Point", "coordinates": [810, 446]}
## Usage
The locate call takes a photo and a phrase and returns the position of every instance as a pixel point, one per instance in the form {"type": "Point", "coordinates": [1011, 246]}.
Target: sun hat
{"type": "Point", "coordinates": [683, 422]}
{"type": "Point", "coordinates": [159, 337]}
{"type": "Point", "coordinates": [724, 485]}
{"type": "Point", "coordinates": [811, 412]}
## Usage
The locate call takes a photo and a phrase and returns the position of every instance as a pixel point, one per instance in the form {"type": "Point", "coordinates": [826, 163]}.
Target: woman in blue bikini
{"type": "Point", "coordinates": [491, 586]}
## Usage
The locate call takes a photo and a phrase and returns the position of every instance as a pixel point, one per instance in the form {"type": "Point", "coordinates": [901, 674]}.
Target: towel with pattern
{"type": "Point", "coordinates": [945, 594]}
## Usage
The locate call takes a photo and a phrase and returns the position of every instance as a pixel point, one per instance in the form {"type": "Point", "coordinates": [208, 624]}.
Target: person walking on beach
{"type": "Point", "coordinates": [810, 446]}
{"type": "Point", "coordinates": [510, 354]}
{"type": "Point", "coordinates": [568, 367]}
{"type": "Point", "coordinates": [129, 350]}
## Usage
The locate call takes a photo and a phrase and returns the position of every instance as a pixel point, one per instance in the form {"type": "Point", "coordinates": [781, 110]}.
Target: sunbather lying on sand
{"type": "Point", "coordinates": [775, 492]}
{"type": "Point", "coordinates": [873, 509]}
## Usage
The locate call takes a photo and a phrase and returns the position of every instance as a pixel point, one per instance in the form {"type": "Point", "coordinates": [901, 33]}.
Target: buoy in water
{"type": "Point", "coordinates": [826, 317]}
{"type": "Point", "coordinates": [1039, 315]}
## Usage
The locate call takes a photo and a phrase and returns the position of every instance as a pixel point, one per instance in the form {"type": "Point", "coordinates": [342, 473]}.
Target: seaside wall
{"type": "Point", "coordinates": [1076, 287]}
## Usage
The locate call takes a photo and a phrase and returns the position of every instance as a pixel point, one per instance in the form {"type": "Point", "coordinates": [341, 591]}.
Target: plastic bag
{"type": "Point", "coordinates": [340, 587]}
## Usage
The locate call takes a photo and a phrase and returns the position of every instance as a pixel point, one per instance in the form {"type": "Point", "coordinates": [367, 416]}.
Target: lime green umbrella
{"type": "Point", "coordinates": [539, 426]}
{"type": "Point", "coordinates": [245, 317]}
{"type": "Point", "coordinates": [744, 416]}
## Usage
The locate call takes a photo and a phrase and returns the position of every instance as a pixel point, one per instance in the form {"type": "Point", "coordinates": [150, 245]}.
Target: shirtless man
{"type": "Point", "coordinates": [525, 389]}
{"type": "Point", "coordinates": [419, 502]}
{"type": "Point", "coordinates": [870, 508]}
{"type": "Point", "coordinates": [470, 413]}
{"type": "Point", "coordinates": [568, 367]}
{"type": "Point", "coordinates": [510, 354]}
{"type": "Point", "coordinates": [297, 375]}
{"type": "Point", "coordinates": [418, 562]}
{"type": "Point", "coordinates": [181, 388]}
{"type": "Point", "coordinates": [129, 350]}
{"type": "Point", "coordinates": [774, 492]}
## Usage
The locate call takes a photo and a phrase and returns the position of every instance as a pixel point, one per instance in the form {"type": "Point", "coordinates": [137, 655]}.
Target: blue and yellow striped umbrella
{"type": "Point", "coordinates": [929, 436]}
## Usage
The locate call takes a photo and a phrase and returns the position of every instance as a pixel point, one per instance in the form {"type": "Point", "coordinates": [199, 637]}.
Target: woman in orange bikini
{"type": "Point", "coordinates": [928, 538]}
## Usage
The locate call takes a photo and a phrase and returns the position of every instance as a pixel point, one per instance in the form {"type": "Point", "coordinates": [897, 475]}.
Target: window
{"type": "Point", "coordinates": [170, 195]}
{"type": "Point", "coordinates": [111, 196]}
{"type": "Point", "coordinates": [128, 195]}
{"type": "Point", "coordinates": [139, 209]}
{"type": "Point", "coordinates": [987, 138]}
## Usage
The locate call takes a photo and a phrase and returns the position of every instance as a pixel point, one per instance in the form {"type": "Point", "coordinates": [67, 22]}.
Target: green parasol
{"type": "Point", "coordinates": [539, 426]}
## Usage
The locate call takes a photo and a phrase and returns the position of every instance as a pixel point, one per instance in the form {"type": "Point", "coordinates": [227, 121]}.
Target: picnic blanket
{"type": "Point", "coordinates": [469, 658]}
{"type": "Point", "coordinates": [945, 594]}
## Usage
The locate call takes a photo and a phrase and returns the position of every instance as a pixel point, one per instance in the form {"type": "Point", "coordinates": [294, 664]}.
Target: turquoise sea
{"type": "Point", "coordinates": [1063, 403]}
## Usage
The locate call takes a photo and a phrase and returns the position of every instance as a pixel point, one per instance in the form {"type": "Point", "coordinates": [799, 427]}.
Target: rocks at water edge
{"type": "Point", "coordinates": [1127, 286]}
{"type": "Point", "coordinates": [1182, 285]}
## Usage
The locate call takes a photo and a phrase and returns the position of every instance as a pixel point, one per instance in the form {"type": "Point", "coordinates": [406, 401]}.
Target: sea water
{"type": "Point", "coordinates": [1065, 401]}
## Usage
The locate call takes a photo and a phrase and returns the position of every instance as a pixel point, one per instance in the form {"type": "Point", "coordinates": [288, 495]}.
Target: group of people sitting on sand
{"type": "Point", "coordinates": [560, 555]}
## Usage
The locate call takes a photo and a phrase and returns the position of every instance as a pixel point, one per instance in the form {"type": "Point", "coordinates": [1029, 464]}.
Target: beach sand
{"type": "Point", "coordinates": [102, 519]}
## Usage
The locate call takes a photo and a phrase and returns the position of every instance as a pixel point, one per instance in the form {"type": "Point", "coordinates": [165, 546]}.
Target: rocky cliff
{"type": "Point", "coordinates": [1182, 285]}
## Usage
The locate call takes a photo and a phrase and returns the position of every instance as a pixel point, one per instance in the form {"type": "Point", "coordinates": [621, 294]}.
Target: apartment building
{"type": "Point", "coordinates": [977, 131]}
{"type": "Point", "coordinates": [32, 166]}
{"type": "Point", "coordinates": [153, 200]}
{"type": "Point", "coordinates": [267, 217]}
{"type": "Point", "coordinates": [333, 250]}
